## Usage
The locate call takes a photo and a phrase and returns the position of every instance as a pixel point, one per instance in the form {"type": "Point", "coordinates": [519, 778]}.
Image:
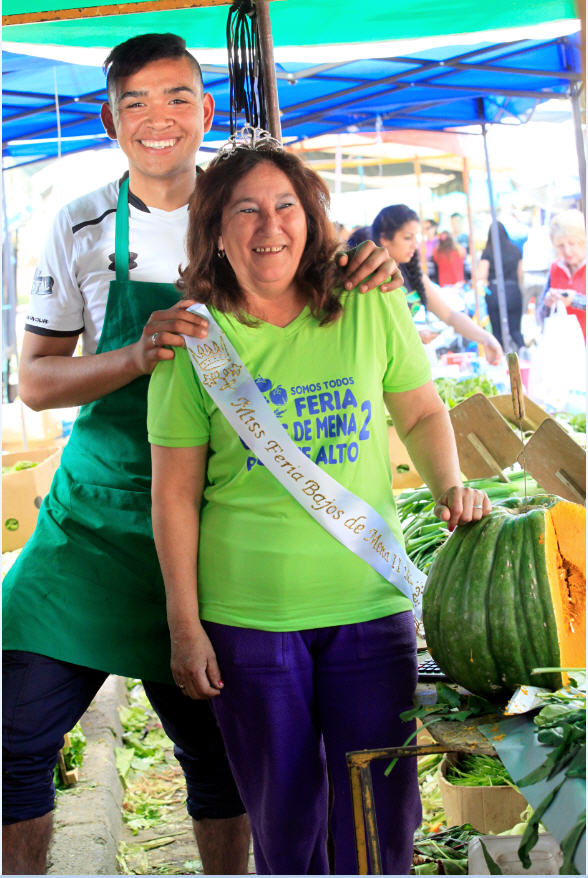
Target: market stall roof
{"type": "Point", "coordinates": [438, 88]}
{"type": "Point", "coordinates": [294, 22]}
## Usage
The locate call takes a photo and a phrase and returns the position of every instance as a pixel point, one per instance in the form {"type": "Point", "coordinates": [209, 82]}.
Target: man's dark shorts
{"type": "Point", "coordinates": [43, 698]}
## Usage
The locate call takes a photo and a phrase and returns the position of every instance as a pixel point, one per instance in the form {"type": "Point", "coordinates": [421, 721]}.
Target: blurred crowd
{"type": "Point", "coordinates": [543, 268]}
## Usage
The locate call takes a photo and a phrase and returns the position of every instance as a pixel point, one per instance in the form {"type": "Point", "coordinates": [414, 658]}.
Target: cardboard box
{"type": "Point", "coordinates": [404, 474]}
{"type": "Point", "coordinates": [488, 809]}
{"type": "Point", "coordinates": [20, 424]}
{"type": "Point", "coordinates": [488, 443]}
{"type": "Point", "coordinates": [23, 491]}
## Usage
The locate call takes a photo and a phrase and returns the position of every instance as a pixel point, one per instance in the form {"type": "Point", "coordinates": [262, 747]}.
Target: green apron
{"type": "Point", "coordinates": [87, 586]}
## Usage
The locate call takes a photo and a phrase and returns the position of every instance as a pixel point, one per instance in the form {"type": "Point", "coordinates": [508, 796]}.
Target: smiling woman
{"type": "Point", "coordinates": [275, 233]}
{"type": "Point", "coordinates": [299, 634]}
{"type": "Point", "coordinates": [263, 233]}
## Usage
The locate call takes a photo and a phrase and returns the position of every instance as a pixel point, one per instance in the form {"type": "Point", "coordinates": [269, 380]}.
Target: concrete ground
{"type": "Point", "coordinates": [88, 817]}
{"type": "Point", "coordinates": [91, 837]}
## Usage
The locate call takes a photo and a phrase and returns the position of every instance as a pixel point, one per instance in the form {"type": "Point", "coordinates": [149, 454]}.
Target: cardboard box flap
{"type": "Point", "coordinates": [486, 443]}
{"type": "Point", "coordinates": [556, 462]}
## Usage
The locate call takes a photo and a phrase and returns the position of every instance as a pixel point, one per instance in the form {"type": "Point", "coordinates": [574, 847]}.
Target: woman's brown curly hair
{"type": "Point", "coordinates": [212, 281]}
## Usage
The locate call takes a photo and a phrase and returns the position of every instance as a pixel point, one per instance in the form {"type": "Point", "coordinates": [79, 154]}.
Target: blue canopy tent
{"type": "Point", "coordinates": [51, 107]}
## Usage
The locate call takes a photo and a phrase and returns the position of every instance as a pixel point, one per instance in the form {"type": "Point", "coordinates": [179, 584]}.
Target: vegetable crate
{"type": "Point", "coordinates": [23, 491]}
{"type": "Point", "coordinates": [404, 473]}
{"type": "Point", "coordinates": [488, 809]}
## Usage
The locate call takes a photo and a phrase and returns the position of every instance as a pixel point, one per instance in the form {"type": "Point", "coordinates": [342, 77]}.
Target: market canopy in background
{"type": "Point", "coordinates": [295, 23]}
{"type": "Point", "coordinates": [438, 88]}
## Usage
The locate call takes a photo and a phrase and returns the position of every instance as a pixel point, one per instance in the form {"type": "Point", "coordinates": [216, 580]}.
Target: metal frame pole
{"type": "Point", "coordinates": [575, 99]}
{"type": "Point", "coordinates": [507, 343]}
{"type": "Point", "coordinates": [266, 46]}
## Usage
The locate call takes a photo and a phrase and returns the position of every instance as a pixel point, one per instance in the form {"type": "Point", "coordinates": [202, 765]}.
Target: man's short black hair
{"type": "Point", "coordinates": [132, 55]}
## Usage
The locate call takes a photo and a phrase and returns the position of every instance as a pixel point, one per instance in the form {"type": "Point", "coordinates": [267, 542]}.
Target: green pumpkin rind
{"type": "Point", "coordinates": [475, 662]}
{"type": "Point", "coordinates": [432, 608]}
{"type": "Point", "coordinates": [532, 636]}
{"type": "Point", "coordinates": [487, 607]}
{"type": "Point", "coordinates": [502, 599]}
{"type": "Point", "coordinates": [444, 613]}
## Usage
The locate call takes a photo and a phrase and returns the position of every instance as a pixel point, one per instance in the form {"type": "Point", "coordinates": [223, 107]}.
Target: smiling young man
{"type": "Point", "coordinates": [86, 598]}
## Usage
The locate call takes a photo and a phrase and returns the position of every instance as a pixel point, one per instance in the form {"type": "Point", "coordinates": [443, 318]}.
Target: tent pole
{"type": "Point", "coordinates": [338, 167]}
{"type": "Point", "coordinates": [417, 173]}
{"type": "Point", "coordinates": [499, 270]}
{"type": "Point", "coordinates": [575, 99]}
{"type": "Point", "coordinates": [266, 46]}
{"type": "Point", "coordinates": [465, 174]}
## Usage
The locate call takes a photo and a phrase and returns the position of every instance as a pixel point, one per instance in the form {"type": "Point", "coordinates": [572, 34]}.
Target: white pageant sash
{"type": "Point", "coordinates": [349, 519]}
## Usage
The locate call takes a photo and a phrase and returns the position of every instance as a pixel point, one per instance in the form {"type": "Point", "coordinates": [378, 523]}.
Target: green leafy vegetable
{"type": "Point", "coordinates": [493, 868]}
{"type": "Point", "coordinates": [478, 771]}
{"type": "Point", "coordinates": [454, 390]}
{"type": "Point", "coordinates": [19, 465]}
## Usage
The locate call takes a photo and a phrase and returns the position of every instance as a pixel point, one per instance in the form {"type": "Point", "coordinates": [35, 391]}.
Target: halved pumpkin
{"type": "Point", "coordinates": [507, 594]}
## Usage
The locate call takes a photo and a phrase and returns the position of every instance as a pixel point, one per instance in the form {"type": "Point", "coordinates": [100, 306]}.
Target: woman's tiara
{"type": "Point", "coordinates": [248, 138]}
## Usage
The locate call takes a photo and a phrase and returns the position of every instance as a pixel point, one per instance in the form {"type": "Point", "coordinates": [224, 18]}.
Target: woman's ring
{"type": "Point", "coordinates": [182, 685]}
{"type": "Point", "coordinates": [154, 338]}
{"type": "Point", "coordinates": [480, 506]}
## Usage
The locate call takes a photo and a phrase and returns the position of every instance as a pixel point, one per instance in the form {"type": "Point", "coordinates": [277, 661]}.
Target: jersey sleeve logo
{"type": "Point", "coordinates": [42, 284]}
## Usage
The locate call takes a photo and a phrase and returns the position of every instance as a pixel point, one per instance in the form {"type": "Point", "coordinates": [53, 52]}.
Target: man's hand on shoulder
{"type": "Point", "coordinates": [369, 266]}
{"type": "Point", "coordinates": [163, 331]}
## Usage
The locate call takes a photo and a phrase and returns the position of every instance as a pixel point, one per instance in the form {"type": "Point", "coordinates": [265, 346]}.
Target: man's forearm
{"type": "Point", "coordinates": [47, 382]}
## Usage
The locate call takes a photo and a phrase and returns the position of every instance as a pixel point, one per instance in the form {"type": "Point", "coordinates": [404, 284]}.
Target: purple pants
{"type": "Point", "coordinates": [292, 706]}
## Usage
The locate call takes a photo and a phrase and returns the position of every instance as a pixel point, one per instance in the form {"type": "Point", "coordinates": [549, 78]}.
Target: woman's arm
{"type": "Point", "coordinates": [462, 324]}
{"type": "Point", "coordinates": [178, 482]}
{"type": "Point", "coordinates": [423, 424]}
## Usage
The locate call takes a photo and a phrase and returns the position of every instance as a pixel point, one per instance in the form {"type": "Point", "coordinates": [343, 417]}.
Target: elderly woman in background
{"type": "Point", "coordinates": [567, 275]}
{"type": "Point", "coordinates": [305, 650]}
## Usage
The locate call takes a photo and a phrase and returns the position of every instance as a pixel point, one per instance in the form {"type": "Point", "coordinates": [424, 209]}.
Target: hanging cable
{"type": "Point", "coordinates": [245, 69]}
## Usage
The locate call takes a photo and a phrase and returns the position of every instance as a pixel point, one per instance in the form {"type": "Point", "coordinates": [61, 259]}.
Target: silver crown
{"type": "Point", "coordinates": [248, 137]}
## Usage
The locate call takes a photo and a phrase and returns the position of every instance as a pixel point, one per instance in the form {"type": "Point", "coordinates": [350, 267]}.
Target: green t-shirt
{"type": "Point", "coordinates": [263, 561]}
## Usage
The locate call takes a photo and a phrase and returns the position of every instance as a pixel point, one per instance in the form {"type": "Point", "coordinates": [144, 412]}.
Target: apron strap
{"type": "Point", "coordinates": [121, 233]}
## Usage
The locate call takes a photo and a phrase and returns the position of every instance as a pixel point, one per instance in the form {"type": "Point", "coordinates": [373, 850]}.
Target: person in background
{"type": "Point", "coordinates": [457, 222]}
{"type": "Point", "coordinates": [567, 275]}
{"type": "Point", "coordinates": [512, 267]}
{"type": "Point", "coordinates": [85, 597]}
{"type": "Point", "coordinates": [431, 238]}
{"type": "Point", "coordinates": [537, 258]}
{"type": "Point", "coordinates": [396, 227]}
{"type": "Point", "coordinates": [358, 235]}
{"type": "Point", "coordinates": [449, 258]}
{"type": "Point", "coordinates": [304, 649]}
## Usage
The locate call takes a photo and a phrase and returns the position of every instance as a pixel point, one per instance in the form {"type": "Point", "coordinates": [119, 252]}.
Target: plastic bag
{"type": "Point", "coordinates": [557, 377]}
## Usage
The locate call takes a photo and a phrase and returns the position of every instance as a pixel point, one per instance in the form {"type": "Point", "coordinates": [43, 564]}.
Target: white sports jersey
{"type": "Point", "coordinates": [70, 288]}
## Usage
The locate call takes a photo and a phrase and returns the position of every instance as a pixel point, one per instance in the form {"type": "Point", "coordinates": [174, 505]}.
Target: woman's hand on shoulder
{"type": "Point", "coordinates": [193, 662]}
{"type": "Point", "coordinates": [369, 266]}
{"type": "Point", "coordinates": [460, 505]}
